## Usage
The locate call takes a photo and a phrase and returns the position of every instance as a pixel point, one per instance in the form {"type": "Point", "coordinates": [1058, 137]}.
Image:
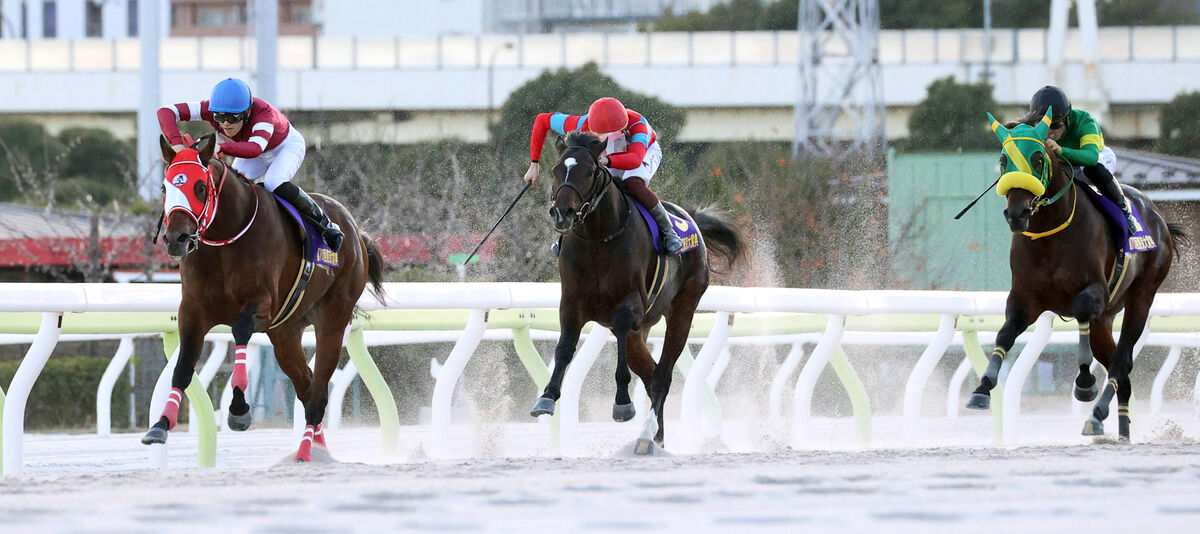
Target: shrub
{"type": "Point", "coordinates": [64, 395]}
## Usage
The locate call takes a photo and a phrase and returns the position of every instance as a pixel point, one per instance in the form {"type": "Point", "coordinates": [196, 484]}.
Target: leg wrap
{"type": "Point", "coordinates": [304, 453]}
{"type": "Point", "coordinates": [319, 437]}
{"type": "Point", "coordinates": [240, 378]}
{"type": "Point", "coordinates": [171, 410]}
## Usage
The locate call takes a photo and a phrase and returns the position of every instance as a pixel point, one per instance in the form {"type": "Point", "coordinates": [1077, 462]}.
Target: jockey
{"type": "Point", "coordinates": [1076, 136]}
{"type": "Point", "coordinates": [632, 156]}
{"type": "Point", "coordinates": [264, 143]}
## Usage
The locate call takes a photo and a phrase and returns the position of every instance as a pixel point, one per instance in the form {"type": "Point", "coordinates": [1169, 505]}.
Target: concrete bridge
{"type": "Point", "coordinates": [734, 85]}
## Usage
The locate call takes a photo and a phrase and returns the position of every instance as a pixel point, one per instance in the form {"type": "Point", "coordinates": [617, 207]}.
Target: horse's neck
{"type": "Point", "coordinates": [236, 207]}
{"type": "Point", "coordinates": [607, 218]}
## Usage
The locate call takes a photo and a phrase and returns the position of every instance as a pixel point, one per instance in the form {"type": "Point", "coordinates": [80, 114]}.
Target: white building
{"type": "Point", "coordinates": [69, 19]}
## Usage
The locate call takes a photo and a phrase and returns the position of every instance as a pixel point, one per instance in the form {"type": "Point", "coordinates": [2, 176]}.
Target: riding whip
{"type": "Point", "coordinates": [964, 210]}
{"type": "Point", "coordinates": [489, 234]}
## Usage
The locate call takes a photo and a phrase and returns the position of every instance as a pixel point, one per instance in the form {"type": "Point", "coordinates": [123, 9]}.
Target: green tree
{"type": "Point", "coordinates": [24, 144]}
{"type": "Point", "coordinates": [1179, 126]}
{"type": "Point", "coordinates": [951, 117]}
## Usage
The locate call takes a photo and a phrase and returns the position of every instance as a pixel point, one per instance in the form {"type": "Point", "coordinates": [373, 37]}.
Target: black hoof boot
{"type": "Point", "coordinates": [1123, 428]}
{"type": "Point", "coordinates": [543, 406]}
{"type": "Point", "coordinates": [157, 434]}
{"type": "Point", "coordinates": [623, 412]}
{"type": "Point", "coordinates": [1093, 427]}
{"type": "Point", "coordinates": [1085, 388]}
{"type": "Point", "coordinates": [239, 422]}
{"type": "Point", "coordinates": [979, 401]}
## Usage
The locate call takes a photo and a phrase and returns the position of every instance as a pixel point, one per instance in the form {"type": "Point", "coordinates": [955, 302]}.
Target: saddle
{"type": "Point", "coordinates": [314, 251]}
{"type": "Point", "coordinates": [1127, 244]}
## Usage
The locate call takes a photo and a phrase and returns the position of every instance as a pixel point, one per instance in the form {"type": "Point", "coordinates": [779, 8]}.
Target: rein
{"type": "Point", "coordinates": [591, 202]}
{"type": "Point", "coordinates": [209, 213]}
{"type": "Point", "coordinates": [1040, 202]}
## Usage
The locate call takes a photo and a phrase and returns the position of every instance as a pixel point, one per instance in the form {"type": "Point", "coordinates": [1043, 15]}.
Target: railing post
{"type": "Point", "coordinates": [807, 381]}
{"type": "Point", "coordinates": [1019, 372]}
{"type": "Point", "coordinates": [568, 401]}
{"type": "Point", "coordinates": [859, 400]}
{"type": "Point", "coordinates": [107, 381]}
{"type": "Point", "coordinates": [1160, 380]}
{"type": "Point", "coordinates": [12, 427]}
{"type": "Point", "coordinates": [693, 430]}
{"type": "Point", "coordinates": [775, 394]}
{"type": "Point", "coordinates": [389, 416]}
{"type": "Point", "coordinates": [447, 379]}
{"type": "Point", "coordinates": [914, 390]}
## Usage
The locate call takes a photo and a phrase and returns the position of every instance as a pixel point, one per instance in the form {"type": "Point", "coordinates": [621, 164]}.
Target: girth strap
{"type": "Point", "coordinates": [295, 295]}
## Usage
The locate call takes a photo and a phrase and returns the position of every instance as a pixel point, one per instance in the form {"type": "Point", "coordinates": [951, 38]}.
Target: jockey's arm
{"type": "Point", "coordinates": [630, 159]}
{"type": "Point", "coordinates": [1090, 141]}
{"type": "Point", "coordinates": [561, 123]}
{"type": "Point", "coordinates": [170, 114]}
{"type": "Point", "coordinates": [260, 136]}
{"type": "Point", "coordinates": [1085, 156]}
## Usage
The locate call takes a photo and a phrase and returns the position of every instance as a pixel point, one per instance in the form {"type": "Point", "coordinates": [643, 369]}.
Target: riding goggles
{"type": "Point", "coordinates": [229, 118]}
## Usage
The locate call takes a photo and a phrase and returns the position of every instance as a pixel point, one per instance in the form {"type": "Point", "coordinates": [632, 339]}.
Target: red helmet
{"type": "Point", "coordinates": [607, 115]}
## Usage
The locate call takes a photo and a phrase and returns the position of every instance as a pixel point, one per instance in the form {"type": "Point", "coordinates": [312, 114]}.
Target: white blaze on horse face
{"type": "Point", "coordinates": [568, 163]}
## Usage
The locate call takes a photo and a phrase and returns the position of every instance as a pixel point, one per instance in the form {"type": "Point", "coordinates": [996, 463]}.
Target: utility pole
{"type": "Point", "coordinates": [266, 32]}
{"type": "Point", "coordinates": [845, 86]}
{"type": "Point", "coordinates": [149, 166]}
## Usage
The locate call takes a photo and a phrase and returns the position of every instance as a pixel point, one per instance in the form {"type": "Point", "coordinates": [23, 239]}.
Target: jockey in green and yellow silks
{"type": "Point", "coordinates": [1076, 136]}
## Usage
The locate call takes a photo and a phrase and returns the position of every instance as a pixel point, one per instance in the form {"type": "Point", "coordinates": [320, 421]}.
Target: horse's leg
{"type": "Point", "coordinates": [292, 361]}
{"type": "Point", "coordinates": [679, 324]}
{"type": "Point", "coordinates": [568, 337]}
{"type": "Point", "coordinates": [329, 349]}
{"type": "Point", "coordinates": [1104, 349]}
{"type": "Point", "coordinates": [1137, 311]}
{"type": "Point", "coordinates": [622, 323]}
{"type": "Point", "coordinates": [191, 342]}
{"type": "Point", "coordinates": [641, 361]}
{"type": "Point", "coordinates": [1016, 320]}
{"type": "Point", "coordinates": [239, 417]}
{"type": "Point", "coordinates": [1088, 305]}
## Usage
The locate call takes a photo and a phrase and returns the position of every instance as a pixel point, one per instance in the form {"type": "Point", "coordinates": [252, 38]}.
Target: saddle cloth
{"type": "Point", "coordinates": [1139, 241]}
{"type": "Point", "coordinates": [686, 230]}
{"type": "Point", "coordinates": [315, 249]}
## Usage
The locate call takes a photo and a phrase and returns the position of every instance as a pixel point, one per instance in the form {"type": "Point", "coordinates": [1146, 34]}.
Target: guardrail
{"type": "Point", "coordinates": [827, 318]}
{"type": "Point", "coordinates": [743, 48]}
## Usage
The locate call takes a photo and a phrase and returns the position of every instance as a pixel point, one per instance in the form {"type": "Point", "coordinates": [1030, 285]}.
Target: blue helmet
{"type": "Point", "coordinates": [230, 96]}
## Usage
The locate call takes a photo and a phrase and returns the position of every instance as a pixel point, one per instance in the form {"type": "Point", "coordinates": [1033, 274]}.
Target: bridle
{"type": "Point", "coordinates": [209, 212]}
{"type": "Point", "coordinates": [601, 179]}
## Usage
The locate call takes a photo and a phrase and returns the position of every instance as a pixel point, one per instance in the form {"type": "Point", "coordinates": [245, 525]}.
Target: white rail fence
{"type": "Point", "coordinates": [849, 317]}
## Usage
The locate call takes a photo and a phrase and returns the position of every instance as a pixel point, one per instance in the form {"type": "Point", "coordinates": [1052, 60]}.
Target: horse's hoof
{"type": "Point", "coordinates": [1086, 394]}
{"type": "Point", "coordinates": [979, 401]}
{"type": "Point", "coordinates": [623, 412]}
{"type": "Point", "coordinates": [239, 422]}
{"type": "Point", "coordinates": [643, 447]}
{"type": "Point", "coordinates": [1093, 427]}
{"type": "Point", "coordinates": [155, 435]}
{"type": "Point", "coordinates": [1123, 429]}
{"type": "Point", "coordinates": [543, 406]}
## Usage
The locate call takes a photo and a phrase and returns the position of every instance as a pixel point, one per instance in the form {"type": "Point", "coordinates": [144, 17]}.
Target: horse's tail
{"type": "Point", "coordinates": [374, 268]}
{"type": "Point", "coordinates": [1178, 238]}
{"type": "Point", "coordinates": [720, 233]}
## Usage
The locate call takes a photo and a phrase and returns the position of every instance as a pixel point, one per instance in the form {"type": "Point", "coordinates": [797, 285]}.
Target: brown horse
{"type": "Point", "coordinates": [608, 264]}
{"type": "Point", "coordinates": [1061, 256]}
{"type": "Point", "coordinates": [240, 261]}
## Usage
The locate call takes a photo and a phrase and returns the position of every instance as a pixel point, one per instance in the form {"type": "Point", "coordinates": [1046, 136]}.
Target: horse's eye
{"type": "Point", "coordinates": [1037, 162]}
{"type": "Point", "coordinates": [201, 191]}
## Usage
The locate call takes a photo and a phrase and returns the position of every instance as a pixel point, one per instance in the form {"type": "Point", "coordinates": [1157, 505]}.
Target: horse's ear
{"type": "Point", "coordinates": [597, 147]}
{"type": "Point", "coordinates": [560, 145]}
{"type": "Point", "coordinates": [997, 128]}
{"type": "Point", "coordinates": [168, 151]}
{"type": "Point", "coordinates": [208, 146]}
{"type": "Point", "coordinates": [1043, 125]}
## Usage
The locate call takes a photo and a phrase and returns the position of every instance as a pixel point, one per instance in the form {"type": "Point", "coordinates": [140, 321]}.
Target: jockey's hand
{"type": "Point", "coordinates": [604, 161]}
{"type": "Point", "coordinates": [531, 175]}
{"type": "Point", "coordinates": [177, 148]}
{"type": "Point", "coordinates": [1053, 146]}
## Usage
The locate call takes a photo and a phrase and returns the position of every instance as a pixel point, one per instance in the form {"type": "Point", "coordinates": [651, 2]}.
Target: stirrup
{"type": "Point", "coordinates": [332, 234]}
{"type": "Point", "coordinates": [671, 243]}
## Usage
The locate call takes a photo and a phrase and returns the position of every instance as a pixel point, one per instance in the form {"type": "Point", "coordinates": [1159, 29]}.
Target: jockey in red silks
{"type": "Point", "coordinates": [632, 156]}
{"type": "Point", "coordinates": [266, 146]}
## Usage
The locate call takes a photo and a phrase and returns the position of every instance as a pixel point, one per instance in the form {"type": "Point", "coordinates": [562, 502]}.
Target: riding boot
{"type": "Point", "coordinates": [1108, 186]}
{"type": "Point", "coordinates": [330, 231]}
{"type": "Point", "coordinates": [671, 243]}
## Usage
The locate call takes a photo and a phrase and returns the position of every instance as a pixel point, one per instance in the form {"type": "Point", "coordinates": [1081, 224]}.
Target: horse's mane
{"type": "Point", "coordinates": [580, 138]}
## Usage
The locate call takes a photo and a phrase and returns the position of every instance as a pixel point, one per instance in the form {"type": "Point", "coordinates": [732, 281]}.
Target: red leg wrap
{"type": "Point", "coordinates": [319, 437]}
{"type": "Point", "coordinates": [171, 410]}
{"type": "Point", "coordinates": [304, 453]}
{"type": "Point", "coordinates": [240, 379]}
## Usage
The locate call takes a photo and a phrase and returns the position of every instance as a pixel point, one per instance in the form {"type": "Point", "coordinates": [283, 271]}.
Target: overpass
{"type": "Point", "coordinates": [735, 85]}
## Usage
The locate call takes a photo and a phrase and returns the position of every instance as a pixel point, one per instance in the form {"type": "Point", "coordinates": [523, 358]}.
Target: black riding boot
{"type": "Point", "coordinates": [330, 232]}
{"type": "Point", "coordinates": [1108, 186]}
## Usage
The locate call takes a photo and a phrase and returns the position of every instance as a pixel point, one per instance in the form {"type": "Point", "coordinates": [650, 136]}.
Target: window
{"type": "Point", "coordinates": [210, 17]}
{"type": "Point", "coordinates": [300, 14]}
{"type": "Point", "coordinates": [93, 19]}
{"type": "Point", "coordinates": [49, 19]}
{"type": "Point", "coordinates": [24, 20]}
{"type": "Point", "coordinates": [132, 18]}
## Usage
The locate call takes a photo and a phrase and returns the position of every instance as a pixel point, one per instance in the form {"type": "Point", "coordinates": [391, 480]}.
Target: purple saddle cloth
{"type": "Point", "coordinates": [1139, 241]}
{"type": "Point", "coordinates": [683, 227]}
{"type": "Point", "coordinates": [315, 249]}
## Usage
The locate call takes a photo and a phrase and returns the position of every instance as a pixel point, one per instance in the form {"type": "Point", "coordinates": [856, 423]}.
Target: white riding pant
{"type": "Point", "coordinates": [645, 171]}
{"type": "Point", "coordinates": [275, 166]}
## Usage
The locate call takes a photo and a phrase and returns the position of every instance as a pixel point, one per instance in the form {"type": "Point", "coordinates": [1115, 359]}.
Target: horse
{"type": "Point", "coordinates": [1061, 251]}
{"type": "Point", "coordinates": [608, 266]}
{"type": "Point", "coordinates": [240, 262]}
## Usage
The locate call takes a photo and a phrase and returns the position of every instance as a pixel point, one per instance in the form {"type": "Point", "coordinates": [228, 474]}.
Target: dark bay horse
{"type": "Point", "coordinates": [1063, 259]}
{"type": "Point", "coordinates": [240, 261]}
{"type": "Point", "coordinates": [608, 267]}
